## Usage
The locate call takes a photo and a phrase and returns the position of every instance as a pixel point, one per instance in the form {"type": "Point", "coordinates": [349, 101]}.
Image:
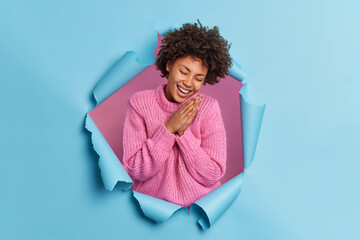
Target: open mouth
{"type": "Point", "coordinates": [182, 92]}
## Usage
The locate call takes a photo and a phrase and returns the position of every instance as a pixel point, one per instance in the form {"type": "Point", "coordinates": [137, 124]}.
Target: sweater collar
{"type": "Point", "coordinates": [165, 104]}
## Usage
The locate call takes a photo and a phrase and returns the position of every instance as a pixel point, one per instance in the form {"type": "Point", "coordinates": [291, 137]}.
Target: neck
{"type": "Point", "coordinates": [168, 95]}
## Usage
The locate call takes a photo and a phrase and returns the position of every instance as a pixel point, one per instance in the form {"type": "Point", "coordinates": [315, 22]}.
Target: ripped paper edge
{"type": "Point", "coordinates": [113, 172]}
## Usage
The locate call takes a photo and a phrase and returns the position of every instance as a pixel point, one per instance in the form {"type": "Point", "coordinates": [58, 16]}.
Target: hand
{"type": "Point", "coordinates": [182, 118]}
{"type": "Point", "coordinates": [181, 131]}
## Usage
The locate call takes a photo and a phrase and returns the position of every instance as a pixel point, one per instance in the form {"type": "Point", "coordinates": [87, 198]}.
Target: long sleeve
{"type": "Point", "coordinates": [205, 158]}
{"type": "Point", "coordinates": [143, 155]}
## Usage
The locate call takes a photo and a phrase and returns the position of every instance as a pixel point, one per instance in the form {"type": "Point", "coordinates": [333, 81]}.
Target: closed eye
{"type": "Point", "coordinates": [182, 72]}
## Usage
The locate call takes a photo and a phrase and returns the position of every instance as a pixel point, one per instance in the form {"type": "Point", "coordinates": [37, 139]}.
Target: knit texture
{"type": "Point", "coordinates": [178, 169]}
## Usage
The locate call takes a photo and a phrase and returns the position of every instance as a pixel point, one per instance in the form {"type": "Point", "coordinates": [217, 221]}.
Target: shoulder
{"type": "Point", "coordinates": [208, 99]}
{"type": "Point", "coordinates": [209, 115]}
{"type": "Point", "coordinates": [142, 98]}
{"type": "Point", "coordinates": [209, 104]}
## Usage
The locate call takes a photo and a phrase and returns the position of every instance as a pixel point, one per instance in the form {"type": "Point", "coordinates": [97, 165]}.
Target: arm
{"type": "Point", "coordinates": [143, 156]}
{"type": "Point", "coordinates": [205, 158]}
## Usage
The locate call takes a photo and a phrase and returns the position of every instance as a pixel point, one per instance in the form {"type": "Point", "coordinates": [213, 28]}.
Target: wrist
{"type": "Point", "coordinates": [169, 129]}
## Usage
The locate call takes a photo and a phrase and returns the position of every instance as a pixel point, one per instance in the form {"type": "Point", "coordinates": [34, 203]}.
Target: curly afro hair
{"type": "Point", "coordinates": [200, 42]}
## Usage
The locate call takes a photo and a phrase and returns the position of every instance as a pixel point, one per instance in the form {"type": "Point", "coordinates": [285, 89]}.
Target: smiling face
{"type": "Point", "coordinates": [186, 76]}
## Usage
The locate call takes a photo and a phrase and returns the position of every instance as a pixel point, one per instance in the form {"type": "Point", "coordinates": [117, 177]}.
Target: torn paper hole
{"type": "Point", "coordinates": [242, 123]}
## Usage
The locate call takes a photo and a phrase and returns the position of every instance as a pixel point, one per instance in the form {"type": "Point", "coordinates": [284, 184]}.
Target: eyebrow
{"type": "Point", "coordinates": [199, 74]}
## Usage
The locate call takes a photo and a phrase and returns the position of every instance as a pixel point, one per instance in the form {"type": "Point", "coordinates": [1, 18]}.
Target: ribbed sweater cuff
{"type": "Point", "coordinates": [188, 141]}
{"type": "Point", "coordinates": [164, 139]}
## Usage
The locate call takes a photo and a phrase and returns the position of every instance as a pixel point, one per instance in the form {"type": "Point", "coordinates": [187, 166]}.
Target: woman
{"type": "Point", "coordinates": [174, 137]}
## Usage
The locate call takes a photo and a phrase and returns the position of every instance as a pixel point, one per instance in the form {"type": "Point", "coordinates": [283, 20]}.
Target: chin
{"type": "Point", "coordinates": [180, 100]}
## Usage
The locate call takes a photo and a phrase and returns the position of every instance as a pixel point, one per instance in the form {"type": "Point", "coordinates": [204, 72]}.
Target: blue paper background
{"type": "Point", "coordinates": [301, 59]}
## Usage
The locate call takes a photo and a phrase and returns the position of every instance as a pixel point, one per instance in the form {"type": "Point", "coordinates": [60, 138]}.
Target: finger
{"type": "Point", "coordinates": [195, 111]}
{"type": "Point", "coordinates": [190, 116]}
{"type": "Point", "coordinates": [188, 108]}
{"type": "Point", "coordinates": [185, 107]}
{"type": "Point", "coordinates": [189, 120]}
{"type": "Point", "coordinates": [192, 113]}
{"type": "Point", "coordinates": [198, 101]}
{"type": "Point", "coordinates": [187, 104]}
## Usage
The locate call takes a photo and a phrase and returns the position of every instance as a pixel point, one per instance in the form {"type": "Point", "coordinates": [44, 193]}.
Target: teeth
{"type": "Point", "coordinates": [183, 90]}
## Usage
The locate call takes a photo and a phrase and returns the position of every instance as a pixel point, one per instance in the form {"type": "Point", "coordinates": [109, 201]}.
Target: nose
{"type": "Point", "coordinates": [187, 83]}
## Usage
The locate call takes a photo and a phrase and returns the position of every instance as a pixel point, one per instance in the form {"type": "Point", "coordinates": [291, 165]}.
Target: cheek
{"type": "Point", "coordinates": [180, 77]}
{"type": "Point", "coordinates": [197, 86]}
{"type": "Point", "coordinates": [173, 79]}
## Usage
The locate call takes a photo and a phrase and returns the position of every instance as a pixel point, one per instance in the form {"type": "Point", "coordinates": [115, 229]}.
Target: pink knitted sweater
{"type": "Point", "coordinates": [165, 165]}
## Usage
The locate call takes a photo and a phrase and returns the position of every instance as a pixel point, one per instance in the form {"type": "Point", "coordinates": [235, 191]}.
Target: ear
{"type": "Point", "coordinates": [168, 67]}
